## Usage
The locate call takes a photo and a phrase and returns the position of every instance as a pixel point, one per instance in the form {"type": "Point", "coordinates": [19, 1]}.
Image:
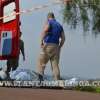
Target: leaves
{"type": "Point", "coordinates": [84, 12]}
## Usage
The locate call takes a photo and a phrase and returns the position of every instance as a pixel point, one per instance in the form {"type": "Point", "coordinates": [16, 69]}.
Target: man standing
{"type": "Point", "coordinates": [14, 63]}
{"type": "Point", "coordinates": [52, 40]}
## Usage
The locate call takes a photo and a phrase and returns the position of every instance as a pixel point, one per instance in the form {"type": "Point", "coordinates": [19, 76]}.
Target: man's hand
{"type": "Point", "coordinates": [42, 44]}
{"type": "Point", "coordinates": [62, 39]}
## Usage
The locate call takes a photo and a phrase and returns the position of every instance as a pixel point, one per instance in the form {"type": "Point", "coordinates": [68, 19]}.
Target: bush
{"type": "Point", "coordinates": [98, 89]}
{"type": "Point", "coordinates": [86, 88]}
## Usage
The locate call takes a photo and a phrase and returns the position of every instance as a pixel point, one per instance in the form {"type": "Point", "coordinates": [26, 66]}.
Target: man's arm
{"type": "Point", "coordinates": [44, 33]}
{"type": "Point", "coordinates": [62, 39]}
{"type": "Point", "coordinates": [22, 49]}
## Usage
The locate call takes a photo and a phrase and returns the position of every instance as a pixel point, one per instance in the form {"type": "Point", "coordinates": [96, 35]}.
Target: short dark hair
{"type": "Point", "coordinates": [51, 14]}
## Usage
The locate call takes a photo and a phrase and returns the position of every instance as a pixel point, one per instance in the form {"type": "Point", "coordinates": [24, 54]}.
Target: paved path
{"type": "Point", "coordinates": [45, 94]}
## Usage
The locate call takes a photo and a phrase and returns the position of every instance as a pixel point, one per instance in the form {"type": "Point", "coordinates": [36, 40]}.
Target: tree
{"type": "Point", "coordinates": [83, 12]}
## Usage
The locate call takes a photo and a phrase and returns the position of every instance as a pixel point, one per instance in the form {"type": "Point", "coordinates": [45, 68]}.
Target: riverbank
{"type": "Point", "coordinates": [44, 94]}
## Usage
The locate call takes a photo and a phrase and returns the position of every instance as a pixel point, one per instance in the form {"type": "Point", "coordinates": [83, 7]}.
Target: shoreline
{"type": "Point", "coordinates": [45, 94]}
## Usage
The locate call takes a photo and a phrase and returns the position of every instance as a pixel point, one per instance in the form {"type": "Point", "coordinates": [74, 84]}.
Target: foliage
{"type": "Point", "coordinates": [83, 12]}
{"type": "Point", "coordinates": [88, 89]}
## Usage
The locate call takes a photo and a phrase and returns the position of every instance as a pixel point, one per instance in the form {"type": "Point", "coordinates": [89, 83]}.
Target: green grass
{"type": "Point", "coordinates": [97, 89]}
{"type": "Point", "coordinates": [88, 89]}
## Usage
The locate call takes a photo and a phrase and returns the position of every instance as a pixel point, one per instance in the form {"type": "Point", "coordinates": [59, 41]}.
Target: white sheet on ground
{"type": "Point", "coordinates": [24, 75]}
{"type": "Point", "coordinates": [2, 75]}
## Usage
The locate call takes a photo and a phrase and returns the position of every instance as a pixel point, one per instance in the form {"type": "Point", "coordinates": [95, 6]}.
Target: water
{"type": "Point", "coordinates": [80, 55]}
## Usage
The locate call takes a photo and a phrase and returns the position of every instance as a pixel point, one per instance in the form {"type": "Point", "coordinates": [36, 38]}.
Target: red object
{"type": "Point", "coordinates": [9, 29]}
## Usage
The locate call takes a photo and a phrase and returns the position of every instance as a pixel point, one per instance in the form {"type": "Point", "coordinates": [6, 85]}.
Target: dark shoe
{"type": "Point", "coordinates": [40, 77]}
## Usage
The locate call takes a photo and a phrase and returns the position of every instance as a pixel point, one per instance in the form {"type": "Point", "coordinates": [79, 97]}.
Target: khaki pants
{"type": "Point", "coordinates": [50, 52]}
